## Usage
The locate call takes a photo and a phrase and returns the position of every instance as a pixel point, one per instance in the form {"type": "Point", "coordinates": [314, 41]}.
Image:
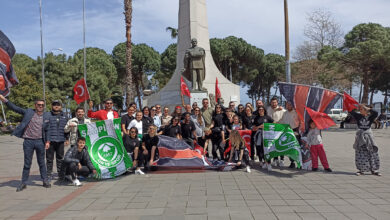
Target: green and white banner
{"type": "Point", "coordinates": [279, 139]}
{"type": "Point", "coordinates": [105, 147]}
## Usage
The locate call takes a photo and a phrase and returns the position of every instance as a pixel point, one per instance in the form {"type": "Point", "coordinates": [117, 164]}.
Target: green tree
{"type": "Point", "coordinates": [167, 68]}
{"type": "Point", "coordinates": [364, 48]}
{"type": "Point", "coordinates": [146, 62]}
{"type": "Point", "coordinates": [24, 94]}
{"type": "Point", "coordinates": [101, 73]}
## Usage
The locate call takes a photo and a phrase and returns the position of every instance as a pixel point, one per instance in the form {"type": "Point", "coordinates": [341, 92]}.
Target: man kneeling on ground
{"type": "Point", "coordinates": [77, 162]}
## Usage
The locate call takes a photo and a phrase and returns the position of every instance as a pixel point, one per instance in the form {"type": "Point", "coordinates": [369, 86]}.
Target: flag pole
{"type": "Point", "coordinates": [2, 108]}
{"type": "Point", "coordinates": [287, 42]}
{"type": "Point", "coordinates": [85, 58]}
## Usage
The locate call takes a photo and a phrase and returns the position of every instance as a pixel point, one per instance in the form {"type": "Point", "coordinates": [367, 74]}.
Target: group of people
{"type": "Point", "coordinates": [211, 126]}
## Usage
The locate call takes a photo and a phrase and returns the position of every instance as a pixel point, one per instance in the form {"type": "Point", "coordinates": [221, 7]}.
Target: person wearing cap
{"type": "Point", "coordinates": [34, 130]}
{"type": "Point", "coordinates": [57, 138]}
{"type": "Point", "coordinates": [106, 113]}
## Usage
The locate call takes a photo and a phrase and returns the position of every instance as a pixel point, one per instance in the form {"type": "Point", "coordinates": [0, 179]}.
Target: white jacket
{"type": "Point", "coordinates": [73, 130]}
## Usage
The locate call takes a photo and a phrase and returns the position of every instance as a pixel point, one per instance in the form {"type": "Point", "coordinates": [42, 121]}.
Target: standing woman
{"type": "Point", "coordinates": [257, 128]}
{"type": "Point", "coordinates": [133, 148]}
{"type": "Point", "coordinates": [240, 111]}
{"type": "Point", "coordinates": [146, 120]}
{"type": "Point", "coordinates": [247, 122]}
{"type": "Point", "coordinates": [366, 150]}
{"type": "Point", "coordinates": [198, 120]}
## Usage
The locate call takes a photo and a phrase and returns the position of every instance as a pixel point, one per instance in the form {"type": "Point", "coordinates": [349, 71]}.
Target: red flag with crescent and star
{"type": "Point", "coordinates": [184, 88]}
{"type": "Point", "coordinates": [80, 90]}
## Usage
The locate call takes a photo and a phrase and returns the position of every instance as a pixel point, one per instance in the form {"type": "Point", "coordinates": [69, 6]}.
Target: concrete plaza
{"type": "Point", "coordinates": [280, 194]}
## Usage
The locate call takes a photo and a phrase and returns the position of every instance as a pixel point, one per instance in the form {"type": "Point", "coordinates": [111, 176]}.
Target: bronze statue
{"type": "Point", "coordinates": [194, 65]}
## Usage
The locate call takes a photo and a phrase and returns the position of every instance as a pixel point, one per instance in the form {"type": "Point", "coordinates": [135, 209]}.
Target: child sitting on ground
{"type": "Point", "coordinates": [314, 141]}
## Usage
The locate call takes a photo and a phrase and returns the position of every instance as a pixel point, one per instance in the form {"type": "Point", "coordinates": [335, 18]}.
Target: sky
{"type": "Point", "coordinates": [259, 22]}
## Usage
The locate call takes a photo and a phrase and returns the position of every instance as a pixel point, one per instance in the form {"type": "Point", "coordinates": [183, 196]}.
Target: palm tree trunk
{"type": "Point", "coordinates": [130, 90]}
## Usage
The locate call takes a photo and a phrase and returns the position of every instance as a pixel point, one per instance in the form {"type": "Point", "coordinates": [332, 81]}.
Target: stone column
{"type": "Point", "coordinates": [193, 24]}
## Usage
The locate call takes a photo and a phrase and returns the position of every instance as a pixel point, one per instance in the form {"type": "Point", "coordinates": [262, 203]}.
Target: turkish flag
{"type": "Point", "coordinates": [322, 120]}
{"type": "Point", "coordinates": [80, 90]}
{"type": "Point", "coordinates": [184, 88]}
{"type": "Point", "coordinates": [349, 103]}
{"type": "Point", "coordinates": [217, 91]}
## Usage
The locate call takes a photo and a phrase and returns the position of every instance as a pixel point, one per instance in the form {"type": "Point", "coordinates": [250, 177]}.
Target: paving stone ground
{"type": "Point", "coordinates": [281, 194]}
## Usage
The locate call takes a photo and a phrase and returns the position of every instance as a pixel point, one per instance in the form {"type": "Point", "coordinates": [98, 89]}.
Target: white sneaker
{"type": "Point", "coordinates": [269, 167]}
{"type": "Point", "coordinates": [248, 169]}
{"type": "Point", "coordinates": [275, 163]}
{"type": "Point", "coordinates": [76, 182]}
{"type": "Point", "coordinates": [264, 166]}
{"type": "Point", "coordinates": [139, 172]}
{"type": "Point", "coordinates": [281, 163]}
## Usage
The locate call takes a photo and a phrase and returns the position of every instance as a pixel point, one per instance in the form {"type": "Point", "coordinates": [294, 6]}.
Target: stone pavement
{"type": "Point", "coordinates": [281, 194]}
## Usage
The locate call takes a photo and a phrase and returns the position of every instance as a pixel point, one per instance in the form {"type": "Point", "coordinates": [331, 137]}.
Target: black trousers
{"type": "Point", "coordinates": [58, 149]}
{"type": "Point", "coordinates": [245, 157]}
{"type": "Point", "coordinates": [217, 147]}
{"type": "Point", "coordinates": [74, 170]}
{"type": "Point", "coordinates": [253, 146]}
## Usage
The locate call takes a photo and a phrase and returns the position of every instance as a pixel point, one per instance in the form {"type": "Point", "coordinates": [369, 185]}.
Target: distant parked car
{"type": "Point", "coordinates": [337, 114]}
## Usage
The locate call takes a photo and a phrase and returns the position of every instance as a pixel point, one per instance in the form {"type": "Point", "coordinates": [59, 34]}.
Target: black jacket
{"type": "Point", "coordinates": [70, 157]}
{"type": "Point", "coordinates": [57, 124]}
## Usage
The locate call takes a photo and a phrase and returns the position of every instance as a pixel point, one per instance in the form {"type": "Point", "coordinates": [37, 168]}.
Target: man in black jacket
{"type": "Point", "coordinates": [34, 130]}
{"type": "Point", "coordinates": [57, 122]}
{"type": "Point", "coordinates": [77, 162]}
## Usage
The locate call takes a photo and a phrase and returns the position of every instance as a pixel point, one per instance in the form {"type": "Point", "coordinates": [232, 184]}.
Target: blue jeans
{"type": "Point", "coordinates": [29, 145]}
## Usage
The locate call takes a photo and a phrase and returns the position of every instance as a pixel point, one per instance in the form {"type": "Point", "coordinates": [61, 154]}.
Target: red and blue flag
{"type": "Point", "coordinates": [316, 98]}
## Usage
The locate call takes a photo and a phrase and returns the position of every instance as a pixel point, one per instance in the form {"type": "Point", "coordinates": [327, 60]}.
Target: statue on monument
{"type": "Point", "coordinates": [194, 65]}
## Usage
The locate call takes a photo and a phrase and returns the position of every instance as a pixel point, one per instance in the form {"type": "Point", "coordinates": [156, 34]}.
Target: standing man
{"type": "Point", "coordinates": [158, 110]}
{"type": "Point", "coordinates": [232, 106]}
{"type": "Point", "coordinates": [57, 122]}
{"type": "Point", "coordinates": [276, 113]}
{"type": "Point", "coordinates": [71, 125]}
{"type": "Point", "coordinates": [106, 113]}
{"type": "Point", "coordinates": [194, 64]}
{"type": "Point", "coordinates": [207, 112]}
{"type": "Point", "coordinates": [34, 130]}
{"type": "Point", "coordinates": [290, 117]}
{"type": "Point", "coordinates": [258, 104]}
{"type": "Point", "coordinates": [188, 130]}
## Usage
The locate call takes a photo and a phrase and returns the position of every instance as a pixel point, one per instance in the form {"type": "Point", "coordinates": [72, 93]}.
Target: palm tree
{"type": "Point", "coordinates": [130, 85]}
{"type": "Point", "coordinates": [173, 32]}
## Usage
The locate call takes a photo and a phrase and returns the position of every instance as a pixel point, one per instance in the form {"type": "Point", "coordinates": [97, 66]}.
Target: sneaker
{"type": "Point", "coordinates": [314, 169]}
{"type": "Point", "coordinates": [328, 170]}
{"type": "Point", "coordinates": [292, 165]}
{"type": "Point", "coordinates": [377, 173]}
{"type": "Point", "coordinates": [21, 187]}
{"type": "Point", "coordinates": [275, 163]}
{"type": "Point", "coordinates": [248, 169]}
{"type": "Point", "coordinates": [269, 167]}
{"type": "Point", "coordinates": [46, 184]}
{"type": "Point", "coordinates": [265, 166]}
{"type": "Point", "coordinates": [281, 163]}
{"type": "Point", "coordinates": [139, 172]}
{"type": "Point", "coordinates": [358, 173]}
{"type": "Point", "coordinates": [76, 182]}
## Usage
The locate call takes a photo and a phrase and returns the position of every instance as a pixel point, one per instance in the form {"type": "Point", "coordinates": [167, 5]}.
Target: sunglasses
{"type": "Point", "coordinates": [158, 107]}
{"type": "Point", "coordinates": [55, 104]}
{"type": "Point", "coordinates": [40, 105]}
{"type": "Point", "coordinates": [153, 109]}
{"type": "Point", "coordinates": [108, 103]}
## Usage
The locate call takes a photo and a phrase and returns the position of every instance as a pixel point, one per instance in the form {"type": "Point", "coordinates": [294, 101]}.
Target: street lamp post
{"type": "Point", "coordinates": [85, 54]}
{"type": "Point", "coordinates": [42, 63]}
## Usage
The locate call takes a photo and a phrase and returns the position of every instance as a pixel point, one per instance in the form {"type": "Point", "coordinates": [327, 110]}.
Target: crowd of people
{"type": "Point", "coordinates": [211, 126]}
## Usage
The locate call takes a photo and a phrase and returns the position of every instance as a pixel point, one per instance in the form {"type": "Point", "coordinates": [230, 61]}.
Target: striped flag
{"type": "Point", "coordinates": [105, 147]}
{"type": "Point", "coordinates": [7, 74]}
{"type": "Point", "coordinates": [316, 98]}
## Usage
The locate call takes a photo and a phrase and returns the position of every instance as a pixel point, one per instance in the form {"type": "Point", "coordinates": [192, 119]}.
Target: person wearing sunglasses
{"type": "Point", "coordinates": [34, 130]}
{"type": "Point", "coordinates": [106, 113]}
